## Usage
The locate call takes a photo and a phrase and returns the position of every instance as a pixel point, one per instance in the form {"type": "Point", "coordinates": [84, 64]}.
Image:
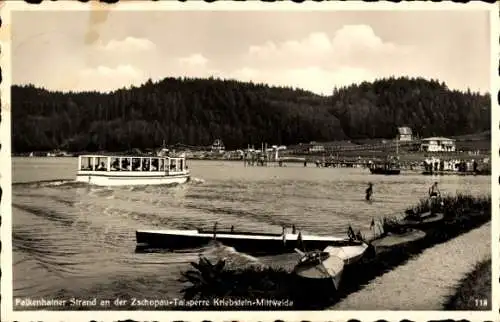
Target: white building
{"type": "Point", "coordinates": [218, 146]}
{"type": "Point", "coordinates": [317, 148]}
{"type": "Point", "coordinates": [438, 144]}
{"type": "Point", "coordinates": [405, 134]}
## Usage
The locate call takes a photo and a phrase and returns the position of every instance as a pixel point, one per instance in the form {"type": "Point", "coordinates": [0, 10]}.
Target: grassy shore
{"type": "Point", "coordinates": [209, 281]}
{"type": "Point", "coordinates": [474, 291]}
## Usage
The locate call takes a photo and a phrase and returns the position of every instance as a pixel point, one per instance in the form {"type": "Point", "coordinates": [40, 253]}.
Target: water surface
{"type": "Point", "coordinates": [72, 240]}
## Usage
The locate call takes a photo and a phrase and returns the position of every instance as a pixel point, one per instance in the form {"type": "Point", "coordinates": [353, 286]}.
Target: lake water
{"type": "Point", "coordinates": [72, 240]}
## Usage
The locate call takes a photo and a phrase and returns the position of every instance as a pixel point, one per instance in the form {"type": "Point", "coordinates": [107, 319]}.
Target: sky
{"type": "Point", "coordinates": [313, 50]}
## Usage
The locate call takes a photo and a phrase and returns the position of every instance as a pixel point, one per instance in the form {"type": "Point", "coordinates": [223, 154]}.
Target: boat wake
{"type": "Point", "coordinates": [195, 181]}
{"type": "Point", "coordinates": [49, 183]}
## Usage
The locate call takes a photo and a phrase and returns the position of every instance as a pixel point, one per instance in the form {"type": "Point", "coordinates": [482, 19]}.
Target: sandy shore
{"type": "Point", "coordinates": [427, 281]}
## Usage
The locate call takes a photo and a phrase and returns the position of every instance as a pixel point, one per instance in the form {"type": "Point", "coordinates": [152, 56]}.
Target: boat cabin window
{"type": "Point", "coordinates": [94, 163]}
{"type": "Point", "coordinates": [155, 163]}
{"type": "Point", "coordinates": [115, 164]}
{"type": "Point", "coordinates": [125, 164]}
{"type": "Point", "coordinates": [101, 164]}
{"type": "Point", "coordinates": [173, 164]}
{"type": "Point", "coordinates": [136, 164]}
{"type": "Point", "coordinates": [85, 164]}
{"type": "Point", "coordinates": [162, 165]}
{"type": "Point", "coordinates": [145, 166]}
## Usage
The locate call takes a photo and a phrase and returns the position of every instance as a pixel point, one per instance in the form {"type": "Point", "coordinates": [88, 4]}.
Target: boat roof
{"type": "Point", "coordinates": [437, 138]}
{"type": "Point", "coordinates": [128, 156]}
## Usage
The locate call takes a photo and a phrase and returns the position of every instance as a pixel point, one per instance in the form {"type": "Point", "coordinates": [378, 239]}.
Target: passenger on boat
{"type": "Point", "coordinates": [115, 166]}
{"type": "Point", "coordinates": [369, 191]}
{"type": "Point", "coordinates": [101, 167]}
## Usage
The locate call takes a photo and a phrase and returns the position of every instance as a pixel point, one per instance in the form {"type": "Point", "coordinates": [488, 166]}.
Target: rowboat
{"type": "Point", "coordinates": [422, 220]}
{"type": "Point", "coordinates": [349, 254]}
{"type": "Point", "coordinates": [104, 170]}
{"type": "Point", "coordinates": [392, 240]}
{"type": "Point", "coordinates": [246, 242]}
{"type": "Point", "coordinates": [322, 266]}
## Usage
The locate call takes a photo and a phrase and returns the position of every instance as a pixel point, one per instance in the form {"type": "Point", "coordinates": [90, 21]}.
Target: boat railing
{"type": "Point", "coordinates": [99, 163]}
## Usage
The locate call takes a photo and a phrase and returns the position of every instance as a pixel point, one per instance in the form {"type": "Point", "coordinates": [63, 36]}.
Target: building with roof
{"type": "Point", "coordinates": [218, 146]}
{"type": "Point", "coordinates": [405, 134]}
{"type": "Point", "coordinates": [438, 144]}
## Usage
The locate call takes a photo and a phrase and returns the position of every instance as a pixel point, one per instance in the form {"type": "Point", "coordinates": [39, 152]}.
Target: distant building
{"type": "Point", "coordinates": [218, 146]}
{"type": "Point", "coordinates": [405, 134]}
{"type": "Point", "coordinates": [316, 148]}
{"type": "Point", "coordinates": [438, 144]}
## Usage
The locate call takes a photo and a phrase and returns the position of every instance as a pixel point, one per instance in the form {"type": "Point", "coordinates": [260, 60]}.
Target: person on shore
{"type": "Point", "coordinates": [369, 192]}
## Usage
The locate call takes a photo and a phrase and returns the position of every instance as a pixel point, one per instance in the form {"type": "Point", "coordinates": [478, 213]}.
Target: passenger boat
{"type": "Point", "coordinates": [245, 242]}
{"type": "Point", "coordinates": [104, 170]}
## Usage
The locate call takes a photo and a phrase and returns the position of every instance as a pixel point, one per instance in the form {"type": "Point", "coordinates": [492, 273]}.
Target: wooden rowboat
{"type": "Point", "coordinates": [246, 242]}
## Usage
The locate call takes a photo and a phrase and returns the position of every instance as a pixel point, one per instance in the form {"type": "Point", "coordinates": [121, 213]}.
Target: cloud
{"type": "Point", "coordinates": [351, 44]}
{"type": "Point", "coordinates": [129, 44]}
{"type": "Point", "coordinates": [104, 78]}
{"type": "Point", "coordinates": [194, 60]}
{"type": "Point", "coordinates": [319, 62]}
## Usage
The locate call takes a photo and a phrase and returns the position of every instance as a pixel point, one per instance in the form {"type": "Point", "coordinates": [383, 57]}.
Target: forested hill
{"type": "Point", "coordinates": [197, 111]}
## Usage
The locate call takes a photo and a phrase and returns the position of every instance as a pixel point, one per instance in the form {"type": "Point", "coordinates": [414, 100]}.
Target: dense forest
{"type": "Point", "coordinates": [197, 111]}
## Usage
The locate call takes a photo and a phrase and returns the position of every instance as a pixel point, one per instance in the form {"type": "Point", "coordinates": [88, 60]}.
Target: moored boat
{"type": "Point", "coordinates": [390, 166]}
{"type": "Point", "coordinates": [320, 267]}
{"type": "Point", "coordinates": [245, 242]}
{"type": "Point", "coordinates": [104, 170]}
{"type": "Point", "coordinates": [349, 254]}
{"type": "Point", "coordinates": [422, 220]}
{"type": "Point", "coordinates": [391, 240]}
{"type": "Point", "coordinates": [385, 170]}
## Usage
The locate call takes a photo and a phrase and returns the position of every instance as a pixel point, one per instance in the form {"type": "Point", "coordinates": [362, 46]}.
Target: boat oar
{"type": "Point", "coordinates": [298, 251]}
{"type": "Point", "coordinates": [215, 231]}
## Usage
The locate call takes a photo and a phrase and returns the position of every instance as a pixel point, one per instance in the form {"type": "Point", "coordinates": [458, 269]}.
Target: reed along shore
{"type": "Point", "coordinates": [209, 281]}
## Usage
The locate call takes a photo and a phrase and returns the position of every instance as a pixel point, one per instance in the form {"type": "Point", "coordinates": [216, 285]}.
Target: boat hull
{"type": "Point", "coordinates": [392, 241]}
{"type": "Point", "coordinates": [423, 221]}
{"type": "Point", "coordinates": [326, 271]}
{"type": "Point", "coordinates": [128, 179]}
{"type": "Point", "coordinates": [349, 254]}
{"type": "Point", "coordinates": [249, 243]}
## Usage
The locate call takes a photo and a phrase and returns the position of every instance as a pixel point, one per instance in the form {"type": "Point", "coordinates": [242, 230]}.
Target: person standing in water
{"type": "Point", "coordinates": [369, 191]}
{"type": "Point", "coordinates": [434, 194]}
{"type": "Point", "coordinates": [434, 191]}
